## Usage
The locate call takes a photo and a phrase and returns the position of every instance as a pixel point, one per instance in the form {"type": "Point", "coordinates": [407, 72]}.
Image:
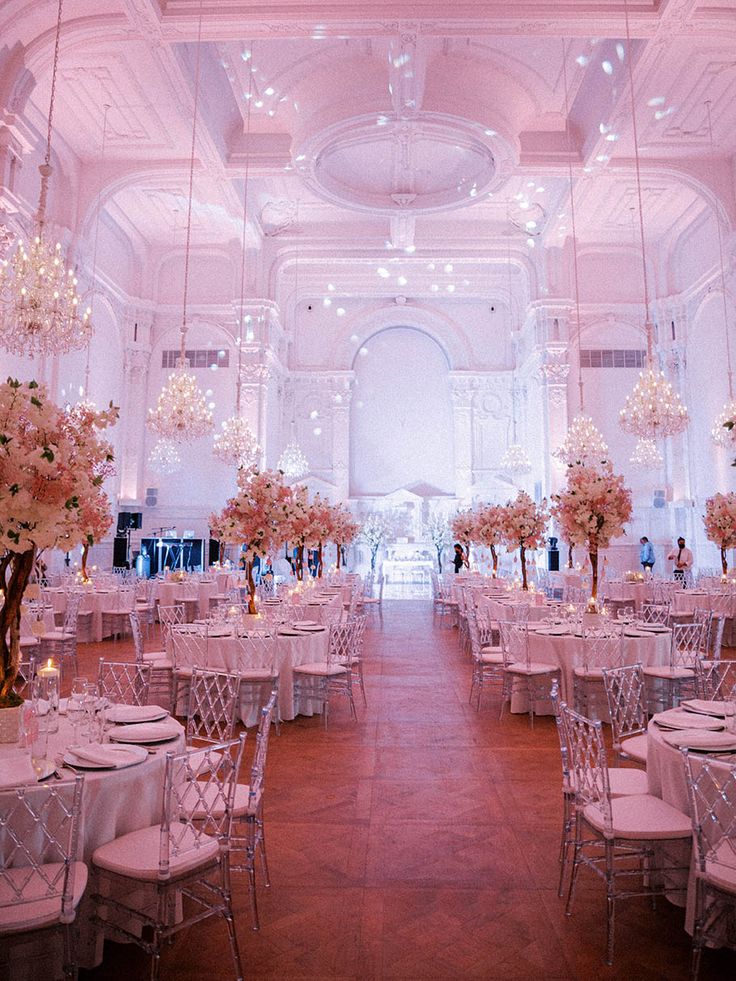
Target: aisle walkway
{"type": "Point", "coordinates": [421, 843]}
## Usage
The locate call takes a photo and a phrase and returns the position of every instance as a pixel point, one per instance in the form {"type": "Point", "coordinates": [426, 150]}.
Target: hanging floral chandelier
{"type": "Point", "coordinates": [236, 444]}
{"type": "Point", "coordinates": [41, 311]}
{"type": "Point", "coordinates": [646, 455]}
{"type": "Point", "coordinates": [164, 457]}
{"type": "Point", "coordinates": [515, 460]}
{"type": "Point", "coordinates": [583, 444]}
{"type": "Point", "coordinates": [181, 412]}
{"type": "Point", "coordinates": [292, 462]}
{"type": "Point", "coordinates": [653, 409]}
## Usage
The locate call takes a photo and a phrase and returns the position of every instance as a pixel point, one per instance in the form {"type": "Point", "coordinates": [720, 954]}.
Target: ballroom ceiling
{"type": "Point", "coordinates": [412, 124]}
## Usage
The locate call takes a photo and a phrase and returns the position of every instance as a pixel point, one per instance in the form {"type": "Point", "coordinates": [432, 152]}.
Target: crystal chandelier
{"type": "Point", "coordinates": [236, 444]}
{"type": "Point", "coordinates": [583, 444]}
{"type": "Point", "coordinates": [292, 462]}
{"type": "Point", "coordinates": [40, 309]}
{"type": "Point", "coordinates": [181, 413]}
{"type": "Point", "coordinates": [720, 434]}
{"type": "Point", "coordinates": [164, 457]}
{"type": "Point", "coordinates": [653, 409]}
{"type": "Point", "coordinates": [646, 455]}
{"type": "Point", "coordinates": [515, 460]}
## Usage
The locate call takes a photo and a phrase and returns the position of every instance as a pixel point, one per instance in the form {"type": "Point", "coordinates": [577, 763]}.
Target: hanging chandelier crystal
{"type": "Point", "coordinates": [181, 413]}
{"type": "Point", "coordinates": [646, 455]}
{"type": "Point", "coordinates": [515, 460]}
{"type": "Point", "coordinates": [164, 457]}
{"type": "Point", "coordinates": [40, 309]}
{"type": "Point", "coordinates": [720, 433]}
{"type": "Point", "coordinates": [653, 409]}
{"type": "Point", "coordinates": [236, 444]}
{"type": "Point", "coordinates": [292, 462]}
{"type": "Point", "coordinates": [583, 444]}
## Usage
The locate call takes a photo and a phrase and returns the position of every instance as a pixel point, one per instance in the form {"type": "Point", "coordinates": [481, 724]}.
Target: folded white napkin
{"type": "Point", "coordinates": [103, 755]}
{"type": "Point", "coordinates": [135, 713]}
{"type": "Point", "coordinates": [16, 769]}
{"type": "Point", "coordinates": [695, 739]}
{"type": "Point", "coordinates": [679, 719]}
{"type": "Point", "coordinates": [708, 707]}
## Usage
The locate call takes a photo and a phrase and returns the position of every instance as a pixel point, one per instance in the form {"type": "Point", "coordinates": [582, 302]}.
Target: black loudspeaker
{"type": "Point", "coordinates": [659, 500]}
{"type": "Point", "coordinates": [136, 519]}
{"type": "Point", "coordinates": [119, 552]}
{"type": "Point", "coordinates": [214, 551]}
{"type": "Point", "coordinates": [129, 519]}
{"type": "Point", "coordinates": [553, 556]}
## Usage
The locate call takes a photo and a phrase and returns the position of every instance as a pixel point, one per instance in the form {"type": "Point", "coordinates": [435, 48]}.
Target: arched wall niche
{"type": "Point", "coordinates": [401, 416]}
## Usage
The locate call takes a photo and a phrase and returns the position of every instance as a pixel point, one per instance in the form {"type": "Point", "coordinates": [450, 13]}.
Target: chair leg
{"type": "Point", "coordinates": [575, 867]}
{"type": "Point", "coordinates": [610, 902]}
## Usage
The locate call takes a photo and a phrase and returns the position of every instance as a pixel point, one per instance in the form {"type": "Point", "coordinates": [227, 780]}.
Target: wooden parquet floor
{"type": "Point", "coordinates": [420, 842]}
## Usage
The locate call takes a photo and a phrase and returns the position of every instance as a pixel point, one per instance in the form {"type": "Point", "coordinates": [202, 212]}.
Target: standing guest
{"type": "Point", "coordinates": [683, 559]}
{"type": "Point", "coordinates": [646, 554]}
{"type": "Point", "coordinates": [459, 560]}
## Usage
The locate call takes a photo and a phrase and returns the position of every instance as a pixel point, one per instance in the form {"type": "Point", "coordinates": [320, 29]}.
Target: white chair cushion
{"type": "Point", "coordinates": [532, 668]}
{"type": "Point", "coordinates": [489, 656]}
{"type": "Point", "coordinates": [58, 635]}
{"type": "Point", "coordinates": [592, 674]}
{"type": "Point", "coordinates": [320, 668]}
{"type": "Point", "coordinates": [635, 747]}
{"type": "Point", "coordinates": [641, 817]}
{"type": "Point", "coordinates": [40, 912]}
{"type": "Point", "coordinates": [163, 665]}
{"type": "Point", "coordinates": [136, 854]}
{"type": "Point", "coordinates": [200, 809]}
{"type": "Point", "coordinates": [156, 656]}
{"type": "Point", "coordinates": [26, 642]}
{"type": "Point", "coordinates": [665, 671]}
{"type": "Point", "coordinates": [256, 674]}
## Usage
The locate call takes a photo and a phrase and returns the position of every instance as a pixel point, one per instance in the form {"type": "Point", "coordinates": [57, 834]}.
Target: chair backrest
{"type": "Point", "coordinates": [341, 642]}
{"type": "Point", "coordinates": [358, 623]}
{"type": "Point", "coordinates": [38, 841]}
{"type": "Point", "coordinates": [514, 642]}
{"type": "Point", "coordinates": [258, 770]}
{"type": "Point", "coordinates": [25, 675]}
{"type": "Point", "coordinates": [717, 626]}
{"type": "Point", "coordinates": [625, 695]}
{"type": "Point", "coordinates": [687, 644]}
{"type": "Point", "coordinates": [124, 682]}
{"type": "Point", "coordinates": [663, 591]}
{"type": "Point", "coordinates": [256, 650]}
{"type": "Point", "coordinates": [603, 647]}
{"type": "Point", "coordinates": [199, 796]}
{"type": "Point", "coordinates": [135, 629]}
{"type": "Point", "coordinates": [587, 761]}
{"type": "Point", "coordinates": [73, 602]}
{"type": "Point", "coordinates": [554, 696]}
{"type": "Point", "coordinates": [213, 706]}
{"type": "Point", "coordinates": [189, 646]}
{"type": "Point", "coordinates": [711, 786]}
{"type": "Point", "coordinates": [655, 613]}
{"type": "Point", "coordinates": [625, 609]}
{"type": "Point", "coordinates": [716, 679]}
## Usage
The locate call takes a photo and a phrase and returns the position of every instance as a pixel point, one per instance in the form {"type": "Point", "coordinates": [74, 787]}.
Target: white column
{"type": "Point", "coordinates": [133, 420]}
{"type": "Point", "coordinates": [461, 389]}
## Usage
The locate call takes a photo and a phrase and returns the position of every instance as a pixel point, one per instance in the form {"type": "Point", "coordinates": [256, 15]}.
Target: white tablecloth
{"type": "Point", "coordinates": [170, 593]}
{"type": "Point", "coordinates": [630, 592]}
{"type": "Point", "coordinates": [567, 653]}
{"type": "Point", "coordinates": [107, 814]}
{"type": "Point", "coordinates": [94, 601]}
{"type": "Point", "coordinates": [221, 653]}
{"type": "Point", "coordinates": [497, 609]}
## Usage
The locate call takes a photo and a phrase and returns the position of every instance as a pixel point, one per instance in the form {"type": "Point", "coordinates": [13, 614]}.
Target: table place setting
{"type": "Point", "coordinates": [706, 706]}
{"type": "Point", "coordinates": [103, 756]}
{"type": "Point", "coordinates": [697, 730]}
{"type": "Point", "coordinates": [134, 714]}
{"type": "Point", "coordinates": [680, 719]}
{"type": "Point", "coordinates": [311, 626]}
{"type": "Point", "coordinates": [146, 732]}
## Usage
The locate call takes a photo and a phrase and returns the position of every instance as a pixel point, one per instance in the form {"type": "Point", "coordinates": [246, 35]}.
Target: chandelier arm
{"type": "Point", "coordinates": [723, 273]}
{"type": "Point", "coordinates": [576, 280]}
{"type": "Point", "coordinates": [185, 297]}
{"type": "Point", "coordinates": [238, 383]}
{"type": "Point", "coordinates": [648, 325]}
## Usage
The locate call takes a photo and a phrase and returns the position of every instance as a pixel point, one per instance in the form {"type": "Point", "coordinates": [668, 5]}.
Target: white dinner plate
{"type": "Point", "coordinates": [104, 757]}
{"type": "Point", "coordinates": [146, 732]}
{"type": "Point", "coordinates": [703, 706]}
{"type": "Point", "coordinates": [132, 714]}
{"type": "Point", "coordinates": [554, 631]}
{"type": "Point", "coordinates": [299, 624]}
{"type": "Point", "coordinates": [678, 719]}
{"type": "Point", "coordinates": [286, 632]}
{"type": "Point", "coordinates": [653, 628]}
{"type": "Point", "coordinates": [717, 742]}
{"type": "Point", "coordinates": [313, 629]}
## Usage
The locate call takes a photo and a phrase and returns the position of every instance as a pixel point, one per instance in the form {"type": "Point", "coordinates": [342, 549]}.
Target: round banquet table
{"type": "Point", "coordinates": [667, 780]}
{"type": "Point", "coordinates": [169, 593]}
{"type": "Point", "coordinates": [114, 802]}
{"type": "Point", "coordinates": [630, 592]}
{"type": "Point", "coordinates": [505, 609]}
{"type": "Point", "coordinates": [221, 653]}
{"type": "Point", "coordinates": [566, 652]}
{"type": "Point", "coordinates": [94, 601]}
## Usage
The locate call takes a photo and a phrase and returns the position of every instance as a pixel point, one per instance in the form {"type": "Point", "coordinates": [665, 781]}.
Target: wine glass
{"type": "Point", "coordinates": [75, 709]}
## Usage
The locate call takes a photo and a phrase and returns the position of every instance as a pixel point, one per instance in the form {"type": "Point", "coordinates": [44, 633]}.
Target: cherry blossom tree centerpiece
{"type": "Point", "coordinates": [52, 466]}
{"type": "Point", "coordinates": [462, 527]}
{"type": "Point", "coordinates": [258, 516]}
{"type": "Point", "coordinates": [489, 529]}
{"type": "Point", "coordinates": [524, 527]}
{"type": "Point", "coordinates": [593, 510]}
{"type": "Point", "coordinates": [720, 524]}
{"type": "Point", "coordinates": [345, 529]}
{"type": "Point", "coordinates": [374, 533]}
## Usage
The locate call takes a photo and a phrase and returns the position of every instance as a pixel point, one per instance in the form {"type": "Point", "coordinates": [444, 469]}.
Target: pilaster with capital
{"type": "Point", "coordinates": [137, 358]}
{"type": "Point", "coordinates": [462, 389]}
{"type": "Point", "coordinates": [554, 369]}
{"type": "Point", "coordinates": [254, 376]}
